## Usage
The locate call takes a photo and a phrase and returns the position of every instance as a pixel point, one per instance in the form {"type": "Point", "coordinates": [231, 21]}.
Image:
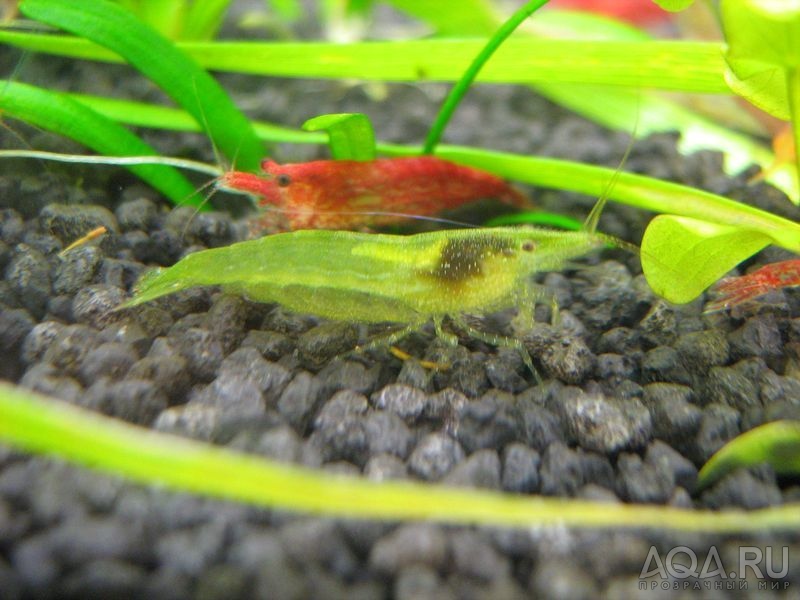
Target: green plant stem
{"type": "Point", "coordinates": [42, 425]}
{"type": "Point", "coordinates": [463, 84]}
{"type": "Point", "coordinates": [793, 89]}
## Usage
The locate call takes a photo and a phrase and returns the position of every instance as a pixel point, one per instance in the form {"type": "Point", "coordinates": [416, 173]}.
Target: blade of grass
{"type": "Point", "coordinates": [189, 85]}
{"type": "Point", "coordinates": [777, 444]}
{"type": "Point", "coordinates": [463, 84]}
{"type": "Point", "coordinates": [204, 19]}
{"type": "Point", "coordinates": [42, 425]}
{"type": "Point", "coordinates": [60, 114]}
{"type": "Point", "coordinates": [351, 136]}
{"type": "Point", "coordinates": [667, 65]}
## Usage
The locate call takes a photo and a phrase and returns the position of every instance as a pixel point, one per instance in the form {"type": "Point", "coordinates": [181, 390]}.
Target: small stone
{"type": "Point", "coordinates": [562, 355]}
{"type": "Point", "coordinates": [385, 467]}
{"type": "Point", "coordinates": [663, 363]}
{"type": "Point", "coordinates": [701, 350]}
{"type": "Point", "coordinates": [480, 470]}
{"type": "Point", "coordinates": [564, 471]}
{"type": "Point", "coordinates": [70, 347]}
{"type": "Point", "coordinates": [719, 425]}
{"type": "Point", "coordinates": [39, 339]}
{"type": "Point", "coordinates": [741, 489]}
{"type": "Point", "coordinates": [95, 304]}
{"type": "Point", "coordinates": [169, 373]}
{"type": "Point", "coordinates": [45, 379]}
{"type": "Point", "coordinates": [348, 375]}
{"type": "Point", "coordinates": [340, 429]}
{"type": "Point", "coordinates": [132, 400]}
{"type": "Point", "coordinates": [520, 469]}
{"type": "Point", "coordinates": [15, 328]}
{"type": "Point", "coordinates": [675, 419]}
{"type": "Point", "coordinates": [759, 336]}
{"type": "Point", "coordinates": [640, 482]}
{"type": "Point", "coordinates": [476, 557]}
{"type": "Point", "coordinates": [226, 320]}
{"type": "Point", "coordinates": [490, 422]}
{"type": "Point", "coordinates": [329, 340]}
{"type": "Point", "coordinates": [607, 425]}
{"type": "Point", "coordinates": [411, 544]}
{"type": "Point", "coordinates": [271, 344]}
{"type": "Point", "coordinates": [107, 360]}
{"type": "Point", "coordinates": [540, 426]}
{"type": "Point", "coordinates": [299, 400]}
{"type": "Point", "coordinates": [212, 229]}
{"type": "Point", "coordinates": [405, 401]}
{"type": "Point", "coordinates": [139, 213]}
{"type": "Point", "coordinates": [388, 434]}
{"type": "Point", "coordinates": [319, 541]}
{"type": "Point", "coordinates": [203, 352]}
{"type": "Point", "coordinates": [70, 222]}
{"type": "Point", "coordinates": [729, 385]}
{"type": "Point", "coordinates": [247, 363]}
{"type": "Point", "coordinates": [232, 395]}
{"type": "Point", "coordinates": [77, 269]}
{"type": "Point", "coordinates": [435, 456]}
{"type": "Point", "coordinates": [28, 275]}
{"type": "Point", "coordinates": [671, 463]}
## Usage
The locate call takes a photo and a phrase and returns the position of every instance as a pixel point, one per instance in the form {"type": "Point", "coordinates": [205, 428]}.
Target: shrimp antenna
{"type": "Point", "coordinates": [593, 218]}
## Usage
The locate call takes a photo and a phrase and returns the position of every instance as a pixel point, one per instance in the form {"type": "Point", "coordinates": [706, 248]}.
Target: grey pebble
{"type": "Point", "coordinates": [434, 456]}
{"type": "Point", "coordinates": [70, 347]}
{"type": "Point", "coordinates": [69, 222]}
{"type": "Point", "coordinates": [759, 336]}
{"type": "Point", "coordinates": [271, 344]}
{"type": "Point", "coordinates": [387, 433]}
{"type": "Point", "coordinates": [564, 471]}
{"type": "Point", "coordinates": [241, 398]}
{"type": "Point", "coordinates": [202, 351]}
{"type": "Point", "coordinates": [192, 551]}
{"type": "Point", "coordinates": [555, 578]}
{"type": "Point", "coordinates": [28, 275]}
{"type": "Point", "coordinates": [701, 350]}
{"type": "Point", "coordinates": [606, 425]}
{"type": "Point", "coordinates": [348, 375]}
{"type": "Point", "coordinates": [319, 541]}
{"type": "Point", "coordinates": [15, 328]}
{"type": "Point", "coordinates": [405, 401]}
{"type": "Point", "coordinates": [384, 467]}
{"type": "Point", "coordinates": [520, 469]}
{"type": "Point", "coordinates": [95, 304]}
{"type": "Point", "coordinates": [413, 374]}
{"type": "Point", "coordinates": [742, 489]}
{"type": "Point", "coordinates": [226, 320]}
{"type": "Point", "coordinates": [640, 482]}
{"type": "Point", "coordinates": [212, 229]}
{"type": "Point", "coordinates": [418, 582]}
{"type": "Point", "coordinates": [104, 578]}
{"type": "Point", "coordinates": [663, 363]}
{"type": "Point", "coordinates": [670, 462]}
{"type": "Point", "coordinates": [320, 344]}
{"type": "Point", "coordinates": [139, 213]}
{"type": "Point", "coordinates": [675, 419]}
{"type": "Point", "coordinates": [481, 469]}
{"type": "Point", "coordinates": [340, 430]}
{"type": "Point", "coordinates": [247, 363]}
{"type": "Point", "coordinates": [119, 273]}
{"type": "Point", "coordinates": [169, 373]}
{"type": "Point", "coordinates": [489, 422]}
{"type": "Point", "coordinates": [412, 544]}
{"type": "Point", "coordinates": [132, 400]}
{"type": "Point", "coordinates": [46, 379]}
{"type": "Point", "coordinates": [476, 557]}
{"type": "Point", "coordinates": [299, 400]}
{"type": "Point", "coordinates": [107, 360]}
{"type": "Point", "coordinates": [731, 386]}
{"type": "Point", "coordinates": [76, 269]}
{"type": "Point", "coordinates": [718, 425]}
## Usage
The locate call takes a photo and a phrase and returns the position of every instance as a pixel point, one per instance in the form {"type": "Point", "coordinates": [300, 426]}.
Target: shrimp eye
{"type": "Point", "coordinates": [283, 180]}
{"type": "Point", "coordinates": [528, 246]}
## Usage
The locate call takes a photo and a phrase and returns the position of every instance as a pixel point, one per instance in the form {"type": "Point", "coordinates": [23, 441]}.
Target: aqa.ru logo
{"type": "Point", "coordinates": [681, 563]}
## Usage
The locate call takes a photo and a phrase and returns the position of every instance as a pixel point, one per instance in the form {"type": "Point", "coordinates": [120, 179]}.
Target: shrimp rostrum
{"type": "Point", "coordinates": [372, 278]}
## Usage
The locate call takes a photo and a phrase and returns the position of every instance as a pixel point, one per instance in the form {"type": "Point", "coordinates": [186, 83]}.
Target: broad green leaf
{"type": "Point", "coordinates": [65, 116]}
{"type": "Point", "coordinates": [34, 423]}
{"type": "Point", "coordinates": [763, 46]}
{"type": "Point", "coordinates": [110, 25]}
{"type": "Point", "coordinates": [674, 5]}
{"type": "Point", "coordinates": [777, 444]}
{"type": "Point", "coordinates": [351, 136]}
{"type": "Point", "coordinates": [681, 257]}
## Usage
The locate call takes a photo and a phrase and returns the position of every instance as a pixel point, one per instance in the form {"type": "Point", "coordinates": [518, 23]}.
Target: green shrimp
{"type": "Point", "coordinates": [372, 278]}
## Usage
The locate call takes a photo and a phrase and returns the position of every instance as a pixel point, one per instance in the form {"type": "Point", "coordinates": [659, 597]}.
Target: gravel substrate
{"type": "Point", "coordinates": [638, 394]}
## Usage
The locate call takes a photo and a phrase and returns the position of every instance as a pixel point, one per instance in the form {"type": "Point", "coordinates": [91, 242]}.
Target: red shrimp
{"type": "Point", "coordinates": [347, 194]}
{"type": "Point", "coordinates": [733, 291]}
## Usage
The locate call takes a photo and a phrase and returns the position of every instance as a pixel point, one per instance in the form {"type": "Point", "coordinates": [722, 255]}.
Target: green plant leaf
{"type": "Point", "coordinates": [674, 5]}
{"type": "Point", "coordinates": [35, 423]}
{"type": "Point", "coordinates": [681, 257]}
{"type": "Point", "coordinates": [350, 135]}
{"type": "Point", "coordinates": [763, 46]}
{"type": "Point", "coordinates": [469, 19]}
{"type": "Point", "coordinates": [777, 444]}
{"type": "Point", "coordinates": [60, 114]}
{"type": "Point", "coordinates": [112, 26]}
{"type": "Point", "coordinates": [204, 19]}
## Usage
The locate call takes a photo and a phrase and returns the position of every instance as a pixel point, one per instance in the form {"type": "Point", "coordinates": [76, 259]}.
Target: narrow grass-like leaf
{"type": "Point", "coordinates": [777, 444]}
{"type": "Point", "coordinates": [351, 136]}
{"type": "Point", "coordinates": [203, 19]}
{"type": "Point", "coordinates": [117, 29]}
{"type": "Point", "coordinates": [681, 257]}
{"type": "Point", "coordinates": [481, 58]}
{"type": "Point", "coordinates": [469, 19]}
{"type": "Point", "coordinates": [37, 424]}
{"type": "Point", "coordinates": [60, 114]}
